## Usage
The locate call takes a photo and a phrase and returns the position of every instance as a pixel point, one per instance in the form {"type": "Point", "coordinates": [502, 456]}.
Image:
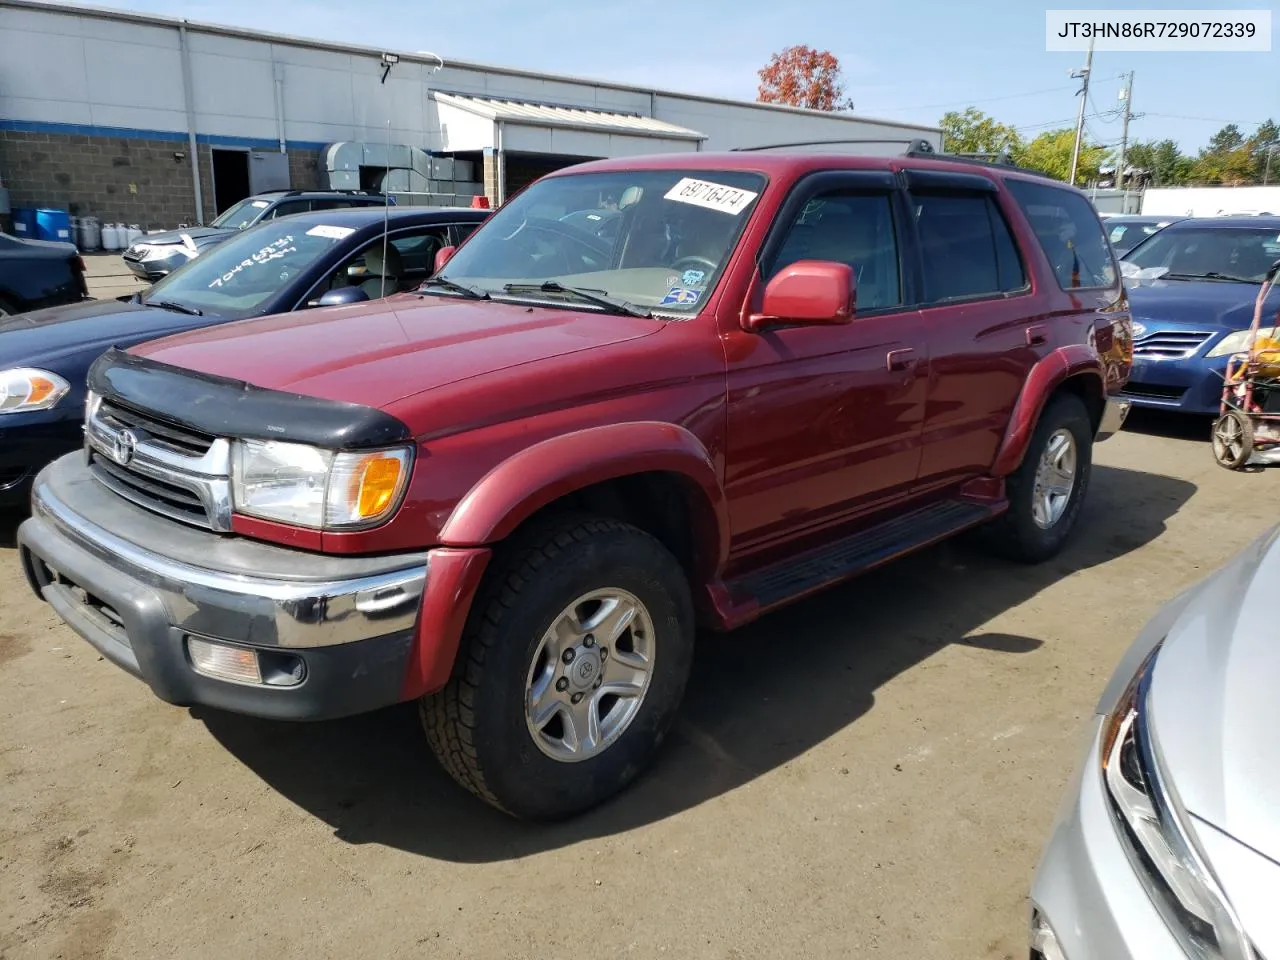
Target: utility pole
{"type": "Point", "coordinates": [1127, 95]}
{"type": "Point", "coordinates": [1083, 94]}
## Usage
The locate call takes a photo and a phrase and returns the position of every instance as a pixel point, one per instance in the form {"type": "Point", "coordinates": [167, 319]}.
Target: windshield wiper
{"type": "Point", "coordinates": [470, 292]}
{"type": "Point", "coordinates": [176, 307]}
{"type": "Point", "coordinates": [1210, 275]}
{"type": "Point", "coordinates": [599, 298]}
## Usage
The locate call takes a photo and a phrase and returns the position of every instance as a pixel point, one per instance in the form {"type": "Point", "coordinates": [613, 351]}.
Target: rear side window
{"type": "Point", "coordinates": [1068, 230]}
{"type": "Point", "coordinates": [967, 248]}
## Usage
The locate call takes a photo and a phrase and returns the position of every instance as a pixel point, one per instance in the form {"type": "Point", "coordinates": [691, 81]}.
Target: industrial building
{"type": "Point", "coordinates": [160, 121]}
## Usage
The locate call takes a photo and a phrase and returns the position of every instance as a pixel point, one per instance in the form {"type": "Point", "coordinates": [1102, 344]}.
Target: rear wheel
{"type": "Point", "coordinates": [1047, 490]}
{"type": "Point", "coordinates": [571, 670]}
{"type": "Point", "coordinates": [1233, 440]}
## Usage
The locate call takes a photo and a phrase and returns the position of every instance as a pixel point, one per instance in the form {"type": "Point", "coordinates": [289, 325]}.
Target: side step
{"type": "Point", "coordinates": [861, 551]}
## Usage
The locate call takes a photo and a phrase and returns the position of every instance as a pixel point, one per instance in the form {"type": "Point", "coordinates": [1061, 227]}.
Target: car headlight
{"type": "Point", "coordinates": [1154, 833]}
{"type": "Point", "coordinates": [1238, 342]}
{"type": "Point", "coordinates": [322, 489]}
{"type": "Point", "coordinates": [23, 390]}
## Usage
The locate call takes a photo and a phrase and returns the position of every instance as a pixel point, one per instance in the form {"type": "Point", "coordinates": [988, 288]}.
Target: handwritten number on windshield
{"type": "Point", "coordinates": [272, 251]}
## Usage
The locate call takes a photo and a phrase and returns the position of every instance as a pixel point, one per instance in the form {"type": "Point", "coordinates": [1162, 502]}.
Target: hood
{"type": "Point", "coordinates": [200, 236]}
{"type": "Point", "coordinates": [1205, 305]}
{"type": "Point", "coordinates": [42, 337]}
{"type": "Point", "coordinates": [377, 353]}
{"type": "Point", "coordinates": [1214, 705]}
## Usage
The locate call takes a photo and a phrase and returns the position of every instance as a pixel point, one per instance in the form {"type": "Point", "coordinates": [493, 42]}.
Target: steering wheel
{"type": "Point", "coordinates": [697, 262]}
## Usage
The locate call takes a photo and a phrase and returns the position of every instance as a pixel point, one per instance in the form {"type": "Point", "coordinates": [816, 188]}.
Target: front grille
{"type": "Point", "coordinates": [157, 495]}
{"type": "Point", "coordinates": [167, 435]}
{"type": "Point", "coordinates": [1153, 391]}
{"type": "Point", "coordinates": [160, 465]}
{"type": "Point", "coordinates": [1170, 344]}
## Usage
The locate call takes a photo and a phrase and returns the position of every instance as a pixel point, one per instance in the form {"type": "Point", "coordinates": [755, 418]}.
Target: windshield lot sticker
{"type": "Point", "coordinates": [681, 296]}
{"type": "Point", "coordinates": [693, 278]}
{"type": "Point", "coordinates": [272, 251]}
{"type": "Point", "coordinates": [330, 233]}
{"type": "Point", "coordinates": [712, 196]}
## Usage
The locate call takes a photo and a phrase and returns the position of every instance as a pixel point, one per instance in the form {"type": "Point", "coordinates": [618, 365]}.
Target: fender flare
{"type": "Point", "coordinates": [526, 482]}
{"type": "Point", "coordinates": [1049, 373]}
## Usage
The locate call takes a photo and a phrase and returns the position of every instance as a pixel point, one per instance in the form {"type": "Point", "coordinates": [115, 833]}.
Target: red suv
{"type": "Point", "coordinates": [516, 493]}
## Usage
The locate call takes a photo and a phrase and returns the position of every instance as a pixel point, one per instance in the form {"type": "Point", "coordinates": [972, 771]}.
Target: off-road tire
{"type": "Point", "coordinates": [1015, 534]}
{"type": "Point", "coordinates": [476, 725]}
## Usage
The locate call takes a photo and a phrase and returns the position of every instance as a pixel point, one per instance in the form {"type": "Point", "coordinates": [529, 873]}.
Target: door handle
{"type": "Point", "coordinates": [1036, 335]}
{"type": "Point", "coordinates": [903, 359]}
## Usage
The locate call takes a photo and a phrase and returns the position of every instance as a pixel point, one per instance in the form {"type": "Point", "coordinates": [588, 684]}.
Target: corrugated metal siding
{"type": "Point", "coordinates": [550, 115]}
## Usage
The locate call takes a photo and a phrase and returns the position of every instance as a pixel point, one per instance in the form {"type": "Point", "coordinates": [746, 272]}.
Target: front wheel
{"type": "Point", "coordinates": [1048, 488]}
{"type": "Point", "coordinates": [571, 670]}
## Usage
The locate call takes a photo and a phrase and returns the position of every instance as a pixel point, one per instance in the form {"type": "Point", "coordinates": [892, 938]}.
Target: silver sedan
{"type": "Point", "coordinates": [1168, 841]}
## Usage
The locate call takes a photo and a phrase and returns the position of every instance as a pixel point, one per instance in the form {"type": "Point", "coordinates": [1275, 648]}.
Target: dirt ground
{"type": "Point", "coordinates": [870, 773]}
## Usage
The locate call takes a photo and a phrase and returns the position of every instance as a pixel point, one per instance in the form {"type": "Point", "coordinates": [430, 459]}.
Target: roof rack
{"type": "Point", "coordinates": [818, 143]}
{"type": "Point", "coordinates": [918, 147]}
{"type": "Point", "coordinates": [290, 192]}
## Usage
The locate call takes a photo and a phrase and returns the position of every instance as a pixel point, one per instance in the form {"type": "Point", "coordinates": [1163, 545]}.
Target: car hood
{"type": "Point", "coordinates": [42, 337]}
{"type": "Point", "coordinates": [377, 353]}
{"type": "Point", "coordinates": [1205, 305]}
{"type": "Point", "coordinates": [200, 236]}
{"type": "Point", "coordinates": [1214, 707]}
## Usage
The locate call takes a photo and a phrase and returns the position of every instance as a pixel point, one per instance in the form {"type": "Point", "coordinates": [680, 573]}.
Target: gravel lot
{"type": "Point", "coordinates": [871, 772]}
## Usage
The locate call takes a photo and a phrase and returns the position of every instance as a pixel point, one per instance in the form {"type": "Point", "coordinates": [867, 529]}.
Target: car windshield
{"type": "Point", "coordinates": [1127, 234]}
{"type": "Point", "coordinates": [1210, 253]}
{"type": "Point", "coordinates": [236, 277]}
{"type": "Point", "coordinates": [241, 215]}
{"type": "Point", "coordinates": [662, 250]}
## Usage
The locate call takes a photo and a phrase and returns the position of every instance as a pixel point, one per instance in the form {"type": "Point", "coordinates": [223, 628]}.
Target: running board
{"type": "Point", "coordinates": [792, 578]}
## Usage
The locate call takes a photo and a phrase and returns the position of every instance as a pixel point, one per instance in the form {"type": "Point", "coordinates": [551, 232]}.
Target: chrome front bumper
{"type": "Point", "coordinates": [1113, 417]}
{"type": "Point", "coordinates": [349, 621]}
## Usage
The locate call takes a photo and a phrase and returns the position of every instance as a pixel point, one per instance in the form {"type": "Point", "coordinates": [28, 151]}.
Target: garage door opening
{"type": "Point", "coordinates": [230, 177]}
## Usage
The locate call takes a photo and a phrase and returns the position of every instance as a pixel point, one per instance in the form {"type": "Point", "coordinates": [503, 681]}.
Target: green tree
{"type": "Point", "coordinates": [1051, 153]}
{"type": "Point", "coordinates": [975, 132]}
{"type": "Point", "coordinates": [1165, 164]}
{"type": "Point", "coordinates": [1228, 159]}
{"type": "Point", "coordinates": [1265, 138]}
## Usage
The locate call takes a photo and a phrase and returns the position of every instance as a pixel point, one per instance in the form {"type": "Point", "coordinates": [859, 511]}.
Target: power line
{"type": "Point", "coordinates": [1176, 116]}
{"type": "Point", "coordinates": [975, 102]}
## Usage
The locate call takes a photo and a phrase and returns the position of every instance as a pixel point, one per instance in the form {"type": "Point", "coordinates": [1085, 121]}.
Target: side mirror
{"type": "Point", "coordinates": [806, 292]}
{"type": "Point", "coordinates": [341, 296]}
{"type": "Point", "coordinates": [442, 257]}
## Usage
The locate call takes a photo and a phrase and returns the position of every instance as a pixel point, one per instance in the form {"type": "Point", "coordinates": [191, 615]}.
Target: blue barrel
{"type": "Point", "coordinates": [24, 223]}
{"type": "Point", "coordinates": [54, 225]}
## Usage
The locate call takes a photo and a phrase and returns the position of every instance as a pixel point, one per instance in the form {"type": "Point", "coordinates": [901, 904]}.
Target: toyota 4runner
{"type": "Point", "coordinates": [514, 495]}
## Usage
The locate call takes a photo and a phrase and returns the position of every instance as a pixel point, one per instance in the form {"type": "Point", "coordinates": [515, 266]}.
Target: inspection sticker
{"type": "Point", "coordinates": [693, 278]}
{"type": "Point", "coordinates": [713, 196]}
{"type": "Point", "coordinates": [330, 233]}
{"type": "Point", "coordinates": [681, 296]}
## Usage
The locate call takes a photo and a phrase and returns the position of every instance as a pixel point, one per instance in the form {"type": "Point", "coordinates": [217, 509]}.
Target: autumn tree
{"type": "Point", "coordinates": [1050, 153]}
{"type": "Point", "coordinates": [801, 76]}
{"type": "Point", "coordinates": [975, 132]}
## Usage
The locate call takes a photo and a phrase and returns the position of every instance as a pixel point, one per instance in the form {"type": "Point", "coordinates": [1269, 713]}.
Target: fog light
{"type": "Point", "coordinates": [1044, 942]}
{"type": "Point", "coordinates": [224, 662]}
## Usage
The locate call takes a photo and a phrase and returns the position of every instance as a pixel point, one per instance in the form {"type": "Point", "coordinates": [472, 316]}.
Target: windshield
{"type": "Point", "coordinates": [241, 215]}
{"type": "Point", "coordinates": [239, 275]}
{"type": "Point", "coordinates": [663, 249]}
{"type": "Point", "coordinates": [1215, 253]}
{"type": "Point", "coordinates": [1127, 234]}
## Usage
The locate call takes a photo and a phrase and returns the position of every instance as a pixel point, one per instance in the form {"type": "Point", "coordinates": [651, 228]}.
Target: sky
{"type": "Point", "coordinates": [908, 61]}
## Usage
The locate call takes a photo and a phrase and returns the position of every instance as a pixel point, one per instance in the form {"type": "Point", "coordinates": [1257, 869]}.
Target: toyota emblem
{"type": "Point", "coordinates": [1139, 330]}
{"type": "Point", "coordinates": [123, 447]}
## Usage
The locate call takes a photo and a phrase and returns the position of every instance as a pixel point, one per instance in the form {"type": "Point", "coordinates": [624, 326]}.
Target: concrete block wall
{"type": "Point", "coordinates": [131, 180]}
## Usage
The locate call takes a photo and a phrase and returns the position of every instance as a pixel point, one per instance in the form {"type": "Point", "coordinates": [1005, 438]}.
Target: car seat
{"type": "Point", "coordinates": [383, 277]}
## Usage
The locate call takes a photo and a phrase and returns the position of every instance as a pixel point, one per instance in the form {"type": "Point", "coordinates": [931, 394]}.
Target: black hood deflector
{"type": "Point", "coordinates": [221, 407]}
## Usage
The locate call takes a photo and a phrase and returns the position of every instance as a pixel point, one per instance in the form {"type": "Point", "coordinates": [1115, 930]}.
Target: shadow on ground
{"type": "Point", "coordinates": [10, 518]}
{"type": "Point", "coordinates": [1166, 423]}
{"type": "Point", "coordinates": [787, 683]}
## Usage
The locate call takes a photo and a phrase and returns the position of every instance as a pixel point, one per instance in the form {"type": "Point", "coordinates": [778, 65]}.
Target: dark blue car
{"type": "Point", "coordinates": [292, 263]}
{"type": "Point", "coordinates": [1192, 288]}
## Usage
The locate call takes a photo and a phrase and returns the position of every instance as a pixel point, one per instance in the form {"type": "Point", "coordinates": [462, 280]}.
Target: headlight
{"type": "Point", "coordinates": [1154, 833]}
{"type": "Point", "coordinates": [1238, 342]}
{"type": "Point", "coordinates": [309, 487]}
{"type": "Point", "coordinates": [24, 389]}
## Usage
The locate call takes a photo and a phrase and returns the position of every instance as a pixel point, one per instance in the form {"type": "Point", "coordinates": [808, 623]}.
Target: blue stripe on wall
{"type": "Point", "coordinates": [130, 133]}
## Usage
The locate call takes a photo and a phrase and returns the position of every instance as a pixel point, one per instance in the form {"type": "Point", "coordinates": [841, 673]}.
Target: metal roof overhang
{"type": "Point", "coordinates": [530, 114]}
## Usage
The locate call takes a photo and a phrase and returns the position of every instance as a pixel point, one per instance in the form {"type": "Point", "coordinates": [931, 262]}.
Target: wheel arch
{"type": "Point", "coordinates": [657, 476]}
{"type": "Point", "coordinates": [1074, 370]}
